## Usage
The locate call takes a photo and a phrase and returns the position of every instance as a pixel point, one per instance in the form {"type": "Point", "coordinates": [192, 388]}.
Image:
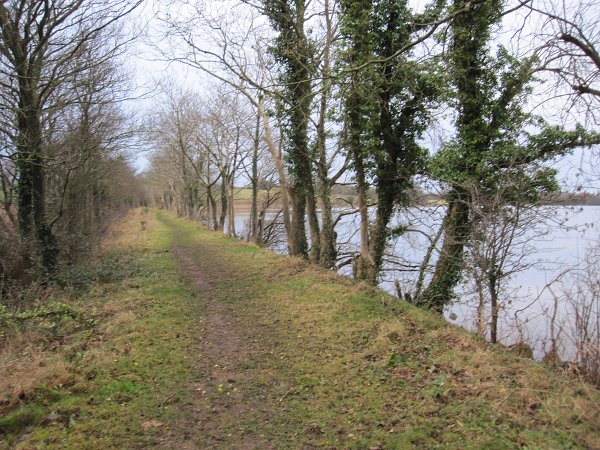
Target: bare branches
{"type": "Point", "coordinates": [571, 50]}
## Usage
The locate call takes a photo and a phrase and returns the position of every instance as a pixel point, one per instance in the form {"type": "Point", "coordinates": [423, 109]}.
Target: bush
{"type": "Point", "coordinates": [16, 263]}
{"type": "Point", "coordinates": [112, 267]}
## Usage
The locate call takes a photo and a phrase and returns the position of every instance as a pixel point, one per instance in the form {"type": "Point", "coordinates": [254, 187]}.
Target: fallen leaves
{"type": "Point", "coordinates": [151, 424]}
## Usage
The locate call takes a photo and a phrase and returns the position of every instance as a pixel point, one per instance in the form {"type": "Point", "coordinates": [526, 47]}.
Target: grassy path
{"type": "Point", "coordinates": [219, 344]}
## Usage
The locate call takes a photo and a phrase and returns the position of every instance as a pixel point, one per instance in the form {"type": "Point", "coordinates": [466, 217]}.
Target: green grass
{"type": "Point", "coordinates": [246, 193]}
{"type": "Point", "coordinates": [370, 371]}
{"type": "Point", "coordinates": [137, 358]}
{"type": "Point", "coordinates": [334, 364]}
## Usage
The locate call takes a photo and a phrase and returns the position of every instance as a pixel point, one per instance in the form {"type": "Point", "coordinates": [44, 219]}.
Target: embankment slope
{"type": "Point", "coordinates": [230, 346]}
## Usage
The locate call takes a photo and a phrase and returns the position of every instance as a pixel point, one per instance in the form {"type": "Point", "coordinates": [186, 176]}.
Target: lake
{"type": "Point", "coordinates": [547, 256]}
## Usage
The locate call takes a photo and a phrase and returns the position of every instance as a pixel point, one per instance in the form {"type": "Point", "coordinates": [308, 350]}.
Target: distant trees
{"type": "Point", "coordinates": [230, 140]}
{"type": "Point", "coordinates": [173, 128]}
{"type": "Point", "coordinates": [283, 85]}
{"type": "Point", "coordinates": [199, 151]}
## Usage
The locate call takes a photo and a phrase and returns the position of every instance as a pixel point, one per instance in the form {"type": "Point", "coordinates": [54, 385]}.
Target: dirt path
{"type": "Point", "coordinates": [293, 358]}
{"type": "Point", "coordinates": [211, 343]}
{"type": "Point", "coordinates": [220, 395]}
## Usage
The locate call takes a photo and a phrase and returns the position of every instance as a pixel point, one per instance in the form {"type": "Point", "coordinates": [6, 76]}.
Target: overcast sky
{"type": "Point", "coordinates": [148, 68]}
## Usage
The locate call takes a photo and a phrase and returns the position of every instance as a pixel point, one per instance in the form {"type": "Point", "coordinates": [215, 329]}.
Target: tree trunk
{"type": "Point", "coordinates": [328, 255]}
{"type": "Point", "coordinates": [494, 304]}
{"type": "Point", "coordinates": [380, 230]}
{"type": "Point", "coordinates": [253, 235]}
{"type": "Point", "coordinates": [283, 183]}
{"type": "Point", "coordinates": [31, 186]}
{"type": "Point", "coordinates": [313, 225]}
{"type": "Point", "coordinates": [223, 215]}
{"type": "Point", "coordinates": [231, 210]}
{"type": "Point", "coordinates": [364, 266]}
{"type": "Point", "coordinates": [328, 247]}
{"type": "Point", "coordinates": [356, 23]}
{"type": "Point", "coordinates": [480, 321]}
{"type": "Point", "coordinates": [24, 193]}
{"type": "Point", "coordinates": [212, 208]}
{"type": "Point", "coordinates": [295, 54]}
{"type": "Point", "coordinates": [448, 269]}
{"type": "Point", "coordinates": [298, 228]}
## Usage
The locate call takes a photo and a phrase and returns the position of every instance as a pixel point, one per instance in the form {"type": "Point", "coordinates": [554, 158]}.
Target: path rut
{"type": "Point", "coordinates": [220, 397]}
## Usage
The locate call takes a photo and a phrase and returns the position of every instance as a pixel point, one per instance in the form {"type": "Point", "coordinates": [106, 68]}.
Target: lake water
{"type": "Point", "coordinates": [547, 255]}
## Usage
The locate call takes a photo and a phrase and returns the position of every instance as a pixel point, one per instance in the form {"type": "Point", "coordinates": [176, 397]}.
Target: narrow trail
{"type": "Point", "coordinates": [211, 343]}
{"type": "Point", "coordinates": [289, 356]}
{"type": "Point", "coordinates": [219, 395]}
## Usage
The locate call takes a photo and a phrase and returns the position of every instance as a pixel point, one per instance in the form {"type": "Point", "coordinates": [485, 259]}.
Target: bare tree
{"type": "Point", "coordinates": [173, 130]}
{"type": "Point", "coordinates": [228, 141]}
{"type": "Point", "coordinates": [291, 89]}
{"type": "Point", "coordinates": [570, 50]}
{"type": "Point", "coordinates": [234, 57]}
{"type": "Point", "coordinates": [40, 47]}
{"type": "Point", "coordinates": [500, 247]}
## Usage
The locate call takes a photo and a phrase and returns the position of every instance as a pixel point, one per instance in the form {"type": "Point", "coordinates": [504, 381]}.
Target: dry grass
{"type": "Point", "coordinates": [28, 370]}
{"type": "Point", "coordinates": [42, 354]}
{"type": "Point", "coordinates": [390, 332]}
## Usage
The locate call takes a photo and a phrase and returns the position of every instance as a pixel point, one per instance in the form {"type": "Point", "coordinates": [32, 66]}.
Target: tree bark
{"type": "Point", "coordinates": [328, 247]}
{"type": "Point", "coordinates": [448, 268]}
{"type": "Point", "coordinates": [253, 235]}
{"type": "Point", "coordinates": [31, 186]}
{"type": "Point", "coordinates": [494, 307]}
{"type": "Point", "coordinates": [294, 52]}
{"type": "Point", "coordinates": [283, 183]}
{"type": "Point", "coordinates": [224, 197]}
{"type": "Point", "coordinates": [231, 209]}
